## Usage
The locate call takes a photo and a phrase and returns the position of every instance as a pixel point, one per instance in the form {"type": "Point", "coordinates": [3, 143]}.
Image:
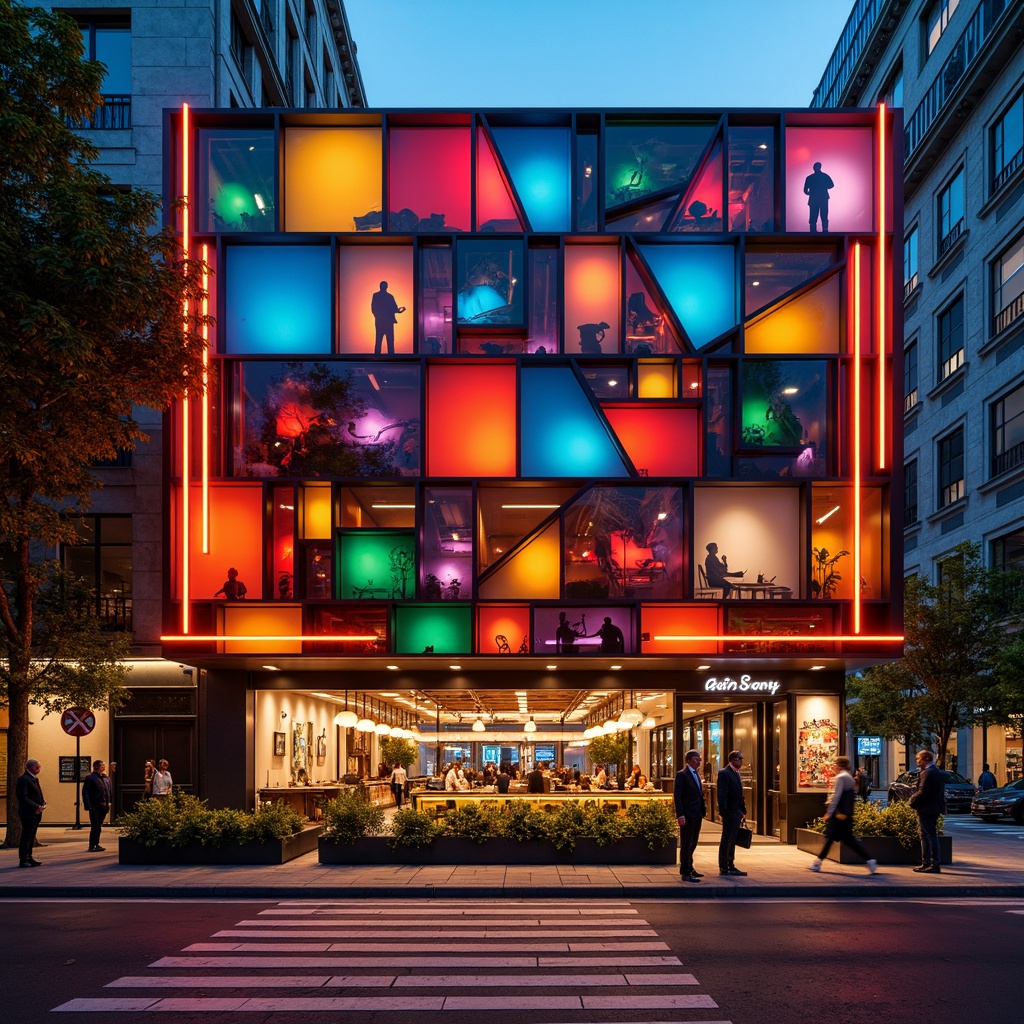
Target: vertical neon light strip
{"type": "Point", "coordinates": [882, 454]}
{"type": "Point", "coordinates": [206, 403]}
{"type": "Point", "coordinates": [856, 435]}
{"type": "Point", "coordinates": [186, 246]}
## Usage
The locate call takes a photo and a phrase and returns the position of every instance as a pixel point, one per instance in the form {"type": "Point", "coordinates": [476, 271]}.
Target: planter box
{"type": "Point", "coordinates": [456, 850]}
{"type": "Point", "coordinates": [884, 849]}
{"type": "Point", "coordinates": [276, 851]}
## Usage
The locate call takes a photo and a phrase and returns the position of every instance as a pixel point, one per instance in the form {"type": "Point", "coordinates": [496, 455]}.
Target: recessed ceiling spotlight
{"type": "Point", "coordinates": [615, 668]}
{"type": "Point", "coordinates": [455, 668]}
{"type": "Point", "coordinates": [817, 668]}
{"type": "Point", "coordinates": [551, 668]}
{"type": "Point", "coordinates": [271, 668]}
{"type": "Point", "coordinates": [394, 668]}
{"type": "Point", "coordinates": [703, 668]}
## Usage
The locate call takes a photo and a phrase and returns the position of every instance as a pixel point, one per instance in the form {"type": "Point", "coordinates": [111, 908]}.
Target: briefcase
{"type": "Point", "coordinates": [744, 837]}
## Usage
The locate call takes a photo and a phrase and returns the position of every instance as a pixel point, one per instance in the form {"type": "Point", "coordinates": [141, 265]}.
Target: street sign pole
{"type": "Point", "coordinates": [77, 827]}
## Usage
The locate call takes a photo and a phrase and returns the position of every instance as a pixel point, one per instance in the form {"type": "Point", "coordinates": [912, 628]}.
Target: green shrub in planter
{"type": "Point", "coordinates": [181, 819]}
{"type": "Point", "coordinates": [654, 822]}
{"type": "Point", "coordinates": [413, 828]}
{"type": "Point", "coordinates": [869, 819]}
{"type": "Point", "coordinates": [349, 817]}
{"type": "Point", "coordinates": [471, 821]}
{"type": "Point", "coordinates": [522, 823]}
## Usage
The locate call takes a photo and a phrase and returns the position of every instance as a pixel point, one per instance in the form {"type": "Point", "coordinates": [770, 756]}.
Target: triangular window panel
{"type": "Point", "coordinates": [539, 161]}
{"type": "Point", "coordinates": [645, 220]}
{"type": "Point", "coordinates": [661, 440]}
{"type": "Point", "coordinates": [495, 210]}
{"type": "Point", "coordinates": [702, 207]}
{"type": "Point", "coordinates": [768, 274]}
{"type": "Point", "coordinates": [644, 157]}
{"type": "Point", "coordinates": [806, 325]}
{"type": "Point", "coordinates": [531, 572]}
{"type": "Point", "coordinates": [699, 282]}
{"type": "Point", "coordinates": [561, 433]}
{"type": "Point", "coordinates": [648, 330]}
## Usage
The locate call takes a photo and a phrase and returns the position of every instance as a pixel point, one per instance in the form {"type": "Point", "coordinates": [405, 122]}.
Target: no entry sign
{"type": "Point", "coordinates": [78, 721]}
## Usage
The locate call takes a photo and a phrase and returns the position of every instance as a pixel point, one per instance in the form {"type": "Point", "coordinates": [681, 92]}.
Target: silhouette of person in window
{"type": "Point", "coordinates": [233, 588]}
{"type": "Point", "coordinates": [566, 635]}
{"type": "Point", "coordinates": [591, 336]}
{"type": "Point", "coordinates": [717, 569]}
{"type": "Point", "coordinates": [385, 310]}
{"type": "Point", "coordinates": [612, 640]}
{"type": "Point", "coordinates": [816, 188]}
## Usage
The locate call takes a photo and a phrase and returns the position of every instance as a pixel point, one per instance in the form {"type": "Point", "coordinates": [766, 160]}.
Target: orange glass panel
{"type": "Point", "coordinates": [509, 621]}
{"type": "Point", "coordinates": [332, 179]}
{"type": "Point", "coordinates": [236, 540]}
{"type": "Point", "coordinates": [532, 573]}
{"type": "Point", "coordinates": [471, 420]}
{"type": "Point", "coordinates": [662, 441]}
{"type": "Point", "coordinates": [657, 379]}
{"type": "Point", "coordinates": [593, 297]}
{"type": "Point", "coordinates": [361, 269]}
{"type": "Point", "coordinates": [495, 210]}
{"type": "Point", "coordinates": [678, 620]}
{"type": "Point", "coordinates": [809, 324]}
{"type": "Point", "coordinates": [316, 512]}
{"type": "Point", "coordinates": [244, 619]}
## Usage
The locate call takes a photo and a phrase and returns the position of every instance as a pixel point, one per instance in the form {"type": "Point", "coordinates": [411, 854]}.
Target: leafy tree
{"type": "Point", "coordinates": [612, 748]}
{"type": "Point", "coordinates": [92, 325]}
{"type": "Point", "coordinates": [955, 633]}
{"type": "Point", "coordinates": [397, 751]}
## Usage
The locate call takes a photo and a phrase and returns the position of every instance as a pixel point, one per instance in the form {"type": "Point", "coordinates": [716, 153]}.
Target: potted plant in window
{"type": "Point", "coordinates": [825, 577]}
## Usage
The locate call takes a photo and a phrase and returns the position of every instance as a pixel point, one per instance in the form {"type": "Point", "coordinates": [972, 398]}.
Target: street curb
{"type": "Point", "coordinates": [583, 892]}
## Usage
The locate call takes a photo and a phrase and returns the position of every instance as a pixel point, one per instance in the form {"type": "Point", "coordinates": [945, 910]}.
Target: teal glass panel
{"type": "Point", "coordinates": [235, 180]}
{"type": "Point", "coordinates": [433, 629]}
{"type": "Point", "coordinates": [538, 161]}
{"type": "Point", "coordinates": [377, 565]}
{"type": "Point", "coordinates": [562, 434]}
{"type": "Point", "coordinates": [700, 283]}
{"type": "Point", "coordinates": [278, 300]}
{"type": "Point", "coordinates": [646, 157]}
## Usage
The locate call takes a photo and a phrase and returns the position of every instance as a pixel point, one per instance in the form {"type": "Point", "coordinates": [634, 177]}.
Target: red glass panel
{"type": "Point", "coordinates": [429, 179]}
{"type": "Point", "coordinates": [495, 210]}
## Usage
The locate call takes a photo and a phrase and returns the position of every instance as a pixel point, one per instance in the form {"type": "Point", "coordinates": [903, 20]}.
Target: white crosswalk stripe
{"type": "Point", "coordinates": [318, 958]}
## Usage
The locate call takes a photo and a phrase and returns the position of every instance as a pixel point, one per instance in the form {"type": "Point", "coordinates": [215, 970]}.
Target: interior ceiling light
{"type": "Point", "coordinates": [703, 668]}
{"type": "Point", "coordinates": [648, 723]}
{"type": "Point", "coordinates": [632, 716]}
{"type": "Point", "coordinates": [828, 515]}
{"type": "Point", "coordinates": [394, 668]}
{"type": "Point", "coordinates": [478, 725]}
{"type": "Point", "coordinates": [531, 725]}
{"type": "Point", "coordinates": [610, 726]}
{"type": "Point", "coordinates": [346, 719]}
{"type": "Point", "coordinates": [396, 732]}
{"type": "Point", "coordinates": [365, 725]}
{"type": "Point", "coordinates": [382, 728]}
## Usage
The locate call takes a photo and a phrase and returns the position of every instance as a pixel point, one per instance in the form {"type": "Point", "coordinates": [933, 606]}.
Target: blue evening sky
{"type": "Point", "coordinates": [594, 53]}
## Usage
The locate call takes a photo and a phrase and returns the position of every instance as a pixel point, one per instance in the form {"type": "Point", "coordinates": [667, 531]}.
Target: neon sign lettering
{"type": "Point", "coordinates": [745, 684]}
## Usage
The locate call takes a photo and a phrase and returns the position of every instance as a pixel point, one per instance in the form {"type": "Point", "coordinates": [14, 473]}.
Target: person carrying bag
{"type": "Point", "coordinates": [839, 817]}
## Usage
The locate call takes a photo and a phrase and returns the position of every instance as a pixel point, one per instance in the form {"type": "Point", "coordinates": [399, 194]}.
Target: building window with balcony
{"type": "Point", "coordinates": [910, 267]}
{"type": "Point", "coordinates": [1007, 136]}
{"type": "Point", "coordinates": [951, 338]}
{"type": "Point", "coordinates": [109, 40]}
{"type": "Point", "coordinates": [951, 212]}
{"type": "Point", "coordinates": [951, 468]}
{"type": "Point", "coordinates": [1008, 431]}
{"type": "Point", "coordinates": [892, 94]}
{"type": "Point", "coordinates": [1007, 558]}
{"type": "Point", "coordinates": [910, 377]}
{"type": "Point", "coordinates": [936, 21]}
{"type": "Point", "coordinates": [910, 493]}
{"type": "Point", "coordinates": [102, 556]}
{"type": "Point", "coordinates": [1008, 287]}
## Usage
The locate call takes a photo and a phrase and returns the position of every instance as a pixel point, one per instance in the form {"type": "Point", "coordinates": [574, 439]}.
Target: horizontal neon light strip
{"type": "Point", "coordinates": [734, 637]}
{"type": "Point", "coordinates": [392, 506]}
{"type": "Point", "coordinates": [224, 637]}
{"type": "Point", "coordinates": [531, 506]}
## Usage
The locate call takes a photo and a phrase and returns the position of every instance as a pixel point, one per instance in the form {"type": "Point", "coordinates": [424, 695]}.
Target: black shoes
{"type": "Point", "coordinates": [97, 849]}
{"type": "Point", "coordinates": [692, 877]}
{"type": "Point", "coordinates": [734, 872]}
{"type": "Point", "coordinates": [929, 869]}
{"type": "Point", "coordinates": [698, 874]}
{"type": "Point", "coordinates": [30, 863]}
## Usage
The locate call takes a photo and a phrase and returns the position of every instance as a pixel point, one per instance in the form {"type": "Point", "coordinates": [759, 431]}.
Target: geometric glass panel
{"type": "Point", "coordinates": [784, 405]}
{"type": "Point", "coordinates": [646, 219]}
{"type": "Point", "coordinates": [429, 179]}
{"type": "Point", "coordinates": [808, 324]}
{"type": "Point", "coordinates": [376, 564]}
{"type": "Point", "coordinates": [660, 440]}
{"type": "Point", "coordinates": [495, 210]}
{"type": "Point", "coordinates": [592, 299]}
{"type": "Point", "coordinates": [648, 330]}
{"type": "Point", "coordinates": [751, 178]}
{"type": "Point", "coordinates": [433, 629]}
{"type": "Point", "coordinates": [839, 193]}
{"type": "Point", "coordinates": [530, 571]}
{"type": "Point", "coordinates": [702, 206]}
{"type": "Point", "coordinates": [372, 318]}
{"type": "Point", "coordinates": [538, 163]}
{"type": "Point", "coordinates": [768, 274]}
{"type": "Point", "coordinates": [235, 190]}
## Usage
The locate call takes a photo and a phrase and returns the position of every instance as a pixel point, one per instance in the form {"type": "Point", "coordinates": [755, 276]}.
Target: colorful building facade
{"type": "Point", "coordinates": [521, 388]}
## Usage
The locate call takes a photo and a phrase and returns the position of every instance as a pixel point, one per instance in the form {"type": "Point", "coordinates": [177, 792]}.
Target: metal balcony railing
{"type": "Point", "coordinates": [1009, 314]}
{"type": "Point", "coordinates": [116, 113]}
{"type": "Point", "coordinates": [949, 239]}
{"type": "Point", "coordinates": [1010, 459]}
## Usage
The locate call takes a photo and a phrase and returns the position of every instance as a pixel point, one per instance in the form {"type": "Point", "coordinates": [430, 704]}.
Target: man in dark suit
{"type": "Point", "coordinates": [96, 799]}
{"type": "Point", "coordinates": [928, 801]}
{"type": "Point", "coordinates": [535, 781]}
{"type": "Point", "coordinates": [30, 811]}
{"type": "Point", "coordinates": [688, 794]}
{"type": "Point", "coordinates": [732, 809]}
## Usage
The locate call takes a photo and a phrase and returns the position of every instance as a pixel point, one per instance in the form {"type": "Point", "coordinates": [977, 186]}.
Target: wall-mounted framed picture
{"type": "Point", "coordinates": [279, 741]}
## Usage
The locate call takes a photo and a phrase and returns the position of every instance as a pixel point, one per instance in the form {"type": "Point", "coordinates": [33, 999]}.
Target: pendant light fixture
{"type": "Point", "coordinates": [531, 725]}
{"type": "Point", "coordinates": [365, 724]}
{"type": "Point", "coordinates": [632, 716]}
{"type": "Point", "coordinates": [478, 725]}
{"type": "Point", "coordinates": [346, 719]}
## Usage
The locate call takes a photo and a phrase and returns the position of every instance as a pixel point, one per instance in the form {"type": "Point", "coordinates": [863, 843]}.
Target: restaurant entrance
{"type": "Point", "coordinates": [788, 726]}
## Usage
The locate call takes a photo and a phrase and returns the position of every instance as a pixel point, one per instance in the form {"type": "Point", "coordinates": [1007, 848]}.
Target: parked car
{"type": "Point", "coordinates": [959, 792]}
{"type": "Point", "coordinates": [994, 803]}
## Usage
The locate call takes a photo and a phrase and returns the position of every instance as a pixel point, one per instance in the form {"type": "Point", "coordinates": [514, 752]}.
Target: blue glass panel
{"type": "Point", "coordinates": [700, 283]}
{"type": "Point", "coordinates": [561, 433]}
{"type": "Point", "coordinates": [278, 300]}
{"type": "Point", "coordinates": [538, 162]}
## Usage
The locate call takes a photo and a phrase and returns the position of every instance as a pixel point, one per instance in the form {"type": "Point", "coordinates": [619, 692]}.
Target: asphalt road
{"type": "Point", "coordinates": [508, 962]}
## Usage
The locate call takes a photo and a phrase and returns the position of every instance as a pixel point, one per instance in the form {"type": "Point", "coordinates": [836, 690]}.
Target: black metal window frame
{"type": "Point", "coordinates": [910, 376]}
{"type": "Point", "coordinates": [1007, 418]}
{"type": "Point", "coordinates": [116, 111]}
{"type": "Point", "coordinates": [115, 611]}
{"type": "Point", "coordinates": [910, 493]}
{"type": "Point", "coordinates": [910, 261]}
{"type": "Point", "coordinates": [936, 21]}
{"type": "Point", "coordinates": [950, 455]}
{"type": "Point", "coordinates": [1007, 311]}
{"type": "Point", "coordinates": [951, 220]}
{"type": "Point", "coordinates": [1004, 163]}
{"type": "Point", "coordinates": [950, 337]}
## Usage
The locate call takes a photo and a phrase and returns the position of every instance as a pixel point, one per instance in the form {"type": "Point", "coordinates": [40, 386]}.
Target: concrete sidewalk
{"type": "Point", "coordinates": [979, 868]}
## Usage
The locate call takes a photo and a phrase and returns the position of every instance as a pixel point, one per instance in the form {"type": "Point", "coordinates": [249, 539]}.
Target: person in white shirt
{"type": "Point", "coordinates": [398, 780]}
{"type": "Point", "coordinates": [162, 781]}
{"type": "Point", "coordinates": [600, 778]}
{"type": "Point", "coordinates": [454, 778]}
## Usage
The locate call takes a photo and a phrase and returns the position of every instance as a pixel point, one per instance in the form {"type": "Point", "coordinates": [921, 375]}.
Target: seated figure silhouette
{"type": "Point", "coordinates": [591, 336]}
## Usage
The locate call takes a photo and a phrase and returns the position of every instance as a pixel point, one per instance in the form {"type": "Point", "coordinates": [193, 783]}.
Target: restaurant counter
{"type": "Point", "coordinates": [431, 801]}
{"type": "Point", "coordinates": [308, 800]}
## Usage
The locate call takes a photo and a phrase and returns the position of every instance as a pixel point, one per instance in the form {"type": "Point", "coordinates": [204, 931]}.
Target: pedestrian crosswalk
{"type": "Point", "coordinates": [553, 960]}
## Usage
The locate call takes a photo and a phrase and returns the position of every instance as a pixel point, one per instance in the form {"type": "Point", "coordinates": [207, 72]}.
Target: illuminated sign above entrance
{"type": "Point", "coordinates": [743, 684]}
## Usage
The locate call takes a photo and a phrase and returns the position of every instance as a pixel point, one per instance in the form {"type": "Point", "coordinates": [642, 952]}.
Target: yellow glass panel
{"type": "Point", "coordinates": [267, 621]}
{"type": "Point", "coordinates": [593, 295]}
{"type": "Point", "coordinates": [656, 379]}
{"type": "Point", "coordinates": [332, 176]}
{"type": "Point", "coordinates": [533, 572]}
{"type": "Point", "coordinates": [316, 512]}
{"type": "Point", "coordinates": [806, 324]}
